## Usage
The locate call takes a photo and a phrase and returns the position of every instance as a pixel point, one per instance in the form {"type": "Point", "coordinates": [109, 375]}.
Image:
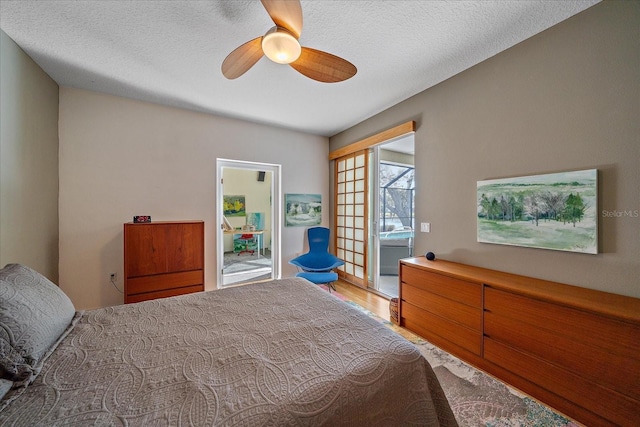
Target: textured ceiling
{"type": "Point", "coordinates": [170, 52]}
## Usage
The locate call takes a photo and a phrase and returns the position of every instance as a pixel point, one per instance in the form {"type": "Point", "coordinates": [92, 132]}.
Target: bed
{"type": "Point", "coordinates": [276, 353]}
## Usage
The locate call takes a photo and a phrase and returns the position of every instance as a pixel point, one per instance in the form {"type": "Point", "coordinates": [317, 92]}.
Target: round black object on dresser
{"type": "Point", "coordinates": [430, 256]}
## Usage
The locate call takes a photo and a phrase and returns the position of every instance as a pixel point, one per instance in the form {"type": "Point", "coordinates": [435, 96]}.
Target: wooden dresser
{"type": "Point", "coordinates": [575, 349]}
{"type": "Point", "coordinates": [163, 259]}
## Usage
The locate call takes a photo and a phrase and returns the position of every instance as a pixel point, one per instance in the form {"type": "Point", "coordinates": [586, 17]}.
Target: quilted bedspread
{"type": "Point", "coordinates": [280, 353]}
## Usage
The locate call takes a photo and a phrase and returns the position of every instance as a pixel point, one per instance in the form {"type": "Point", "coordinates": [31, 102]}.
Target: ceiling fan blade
{"type": "Point", "coordinates": [242, 58]}
{"type": "Point", "coordinates": [323, 67]}
{"type": "Point", "coordinates": [286, 14]}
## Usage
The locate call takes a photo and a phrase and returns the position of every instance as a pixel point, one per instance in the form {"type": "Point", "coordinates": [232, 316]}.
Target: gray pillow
{"type": "Point", "coordinates": [34, 313]}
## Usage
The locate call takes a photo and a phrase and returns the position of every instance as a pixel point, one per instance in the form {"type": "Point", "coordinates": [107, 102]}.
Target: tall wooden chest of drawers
{"type": "Point", "coordinates": [576, 349]}
{"type": "Point", "coordinates": [163, 259]}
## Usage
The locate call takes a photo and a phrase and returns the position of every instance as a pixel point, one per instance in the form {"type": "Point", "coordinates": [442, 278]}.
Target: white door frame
{"type": "Point", "coordinates": [374, 233]}
{"type": "Point", "coordinates": [276, 214]}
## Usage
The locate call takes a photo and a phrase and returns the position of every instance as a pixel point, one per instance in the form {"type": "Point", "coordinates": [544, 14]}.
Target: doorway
{"type": "Point", "coordinates": [392, 211]}
{"type": "Point", "coordinates": [248, 216]}
{"type": "Point", "coordinates": [356, 220]}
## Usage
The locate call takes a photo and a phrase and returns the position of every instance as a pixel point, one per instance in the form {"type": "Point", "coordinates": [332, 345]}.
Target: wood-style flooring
{"type": "Point", "coordinates": [369, 300]}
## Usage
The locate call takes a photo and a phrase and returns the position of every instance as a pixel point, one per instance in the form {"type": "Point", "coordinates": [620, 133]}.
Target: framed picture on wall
{"type": "Point", "coordinates": [303, 210]}
{"type": "Point", "coordinates": [234, 206]}
{"type": "Point", "coordinates": [556, 211]}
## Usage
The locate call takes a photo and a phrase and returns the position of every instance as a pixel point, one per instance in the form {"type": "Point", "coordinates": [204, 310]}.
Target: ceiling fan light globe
{"type": "Point", "coordinates": [280, 46]}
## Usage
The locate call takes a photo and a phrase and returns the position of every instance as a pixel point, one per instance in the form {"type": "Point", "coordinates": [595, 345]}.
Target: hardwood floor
{"type": "Point", "coordinates": [372, 302]}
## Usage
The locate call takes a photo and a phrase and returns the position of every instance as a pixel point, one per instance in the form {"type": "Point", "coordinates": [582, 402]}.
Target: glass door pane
{"type": "Point", "coordinates": [392, 202]}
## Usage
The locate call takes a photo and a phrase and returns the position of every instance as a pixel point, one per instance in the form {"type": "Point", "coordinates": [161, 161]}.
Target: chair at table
{"type": "Point", "coordinates": [245, 244]}
{"type": "Point", "coordinates": [317, 265]}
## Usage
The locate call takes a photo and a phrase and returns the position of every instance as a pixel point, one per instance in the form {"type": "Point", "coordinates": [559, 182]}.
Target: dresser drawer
{"type": "Point", "coordinates": [164, 294]}
{"type": "Point", "coordinates": [161, 282]}
{"type": "Point", "coordinates": [425, 323]}
{"type": "Point", "coordinates": [593, 329]}
{"type": "Point", "coordinates": [468, 293]}
{"type": "Point", "coordinates": [466, 315]}
{"type": "Point", "coordinates": [594, 347]}
{"type": "Point", "coordinates": [621, 409]}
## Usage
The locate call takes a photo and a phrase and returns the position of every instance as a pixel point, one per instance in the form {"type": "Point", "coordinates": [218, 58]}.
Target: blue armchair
{"type": "Point", "coordinates": [318, 263]}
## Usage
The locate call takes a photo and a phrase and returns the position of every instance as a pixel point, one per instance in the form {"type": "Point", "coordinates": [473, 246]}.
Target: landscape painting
{"type": "Point", "coordinates": [556, 211]}
{"type": "Point", "coordinates": [234, 206]}
{"type": "Point", "coordinates": [303, 210]}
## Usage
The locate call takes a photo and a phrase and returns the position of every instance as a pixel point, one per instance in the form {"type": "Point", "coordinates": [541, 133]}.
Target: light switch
{"type": "Point", "coordinates": [425, 227]}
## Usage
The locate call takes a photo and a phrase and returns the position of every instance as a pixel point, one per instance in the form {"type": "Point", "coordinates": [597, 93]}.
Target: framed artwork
{"type": "Point", "coordinates": [302, 210]}
{"type": "Point", "coordinates": [256, 219]}
{"type": "Point", "coordinates": [557, 211]}
{"type": "Point", "coordinates": [234, 206]}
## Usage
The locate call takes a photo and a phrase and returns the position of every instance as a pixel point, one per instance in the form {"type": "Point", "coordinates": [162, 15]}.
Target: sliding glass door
{"type": "Point", "coordinates": [392, 218]}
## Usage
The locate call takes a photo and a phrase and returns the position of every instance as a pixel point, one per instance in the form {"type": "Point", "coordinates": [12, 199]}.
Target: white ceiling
{"type": "Point", "coordinates": [404, 144]}
{"type": "Point", "coordinates": [170, 52]}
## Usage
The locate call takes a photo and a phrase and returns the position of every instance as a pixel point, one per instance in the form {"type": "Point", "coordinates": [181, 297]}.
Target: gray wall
{"type": "Point", "coordinates": [566, 99]}
{"type": "Point", "coordinates": [28, 162]}
{"type": "Point", "coordinates": [75, 165]}
{"type": "Point", "coordinates": [120, 158]}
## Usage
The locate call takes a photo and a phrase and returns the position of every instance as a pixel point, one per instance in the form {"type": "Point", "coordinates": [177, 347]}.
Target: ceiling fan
{"type": "Point", "coordinates": [280, 44]}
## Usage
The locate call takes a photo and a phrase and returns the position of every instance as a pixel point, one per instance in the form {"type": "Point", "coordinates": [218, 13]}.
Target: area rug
{"type": "Point", "coordinates": [476, 398]}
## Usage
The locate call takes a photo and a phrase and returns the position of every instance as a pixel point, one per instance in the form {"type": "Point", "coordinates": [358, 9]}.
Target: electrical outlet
{"type": "Point", "coordinates": [425, 227]}
{"type": "Point", "coordinates": [113, 277]}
